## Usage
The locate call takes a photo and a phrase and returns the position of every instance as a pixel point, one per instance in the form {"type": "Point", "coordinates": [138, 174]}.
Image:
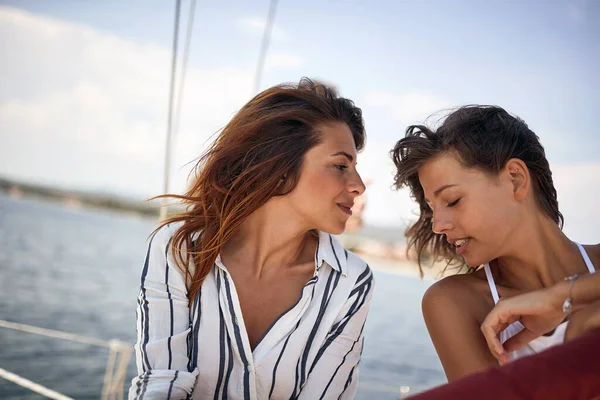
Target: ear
{"type": "Point", "coordinates": [518, 174]}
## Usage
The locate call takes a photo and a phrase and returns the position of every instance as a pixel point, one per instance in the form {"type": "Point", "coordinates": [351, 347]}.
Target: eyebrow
{"type": "Point", "coordinates": [343, 153]}
{"type": "Point", "coordinates": [441, 189]}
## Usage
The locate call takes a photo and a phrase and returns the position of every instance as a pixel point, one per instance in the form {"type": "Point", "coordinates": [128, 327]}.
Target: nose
{"type": "Point", "coordinates": [442, 222]}
{"type": "Point", "coordinates": [355, 184]}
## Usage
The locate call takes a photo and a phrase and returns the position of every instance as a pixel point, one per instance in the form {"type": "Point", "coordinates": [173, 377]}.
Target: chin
{"type": "Point", "coordinates": [338, 231]}
{"type": "Point", "coordinates": [335, 228]}
{"type": "Point", "coordinates": [472, 264]}
{"type": "Point", "coordinates": [474, 261]}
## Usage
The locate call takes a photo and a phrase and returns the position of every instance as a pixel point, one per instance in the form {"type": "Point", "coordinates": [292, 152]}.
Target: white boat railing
{"type": "Point", "coordinates": [116, 366]}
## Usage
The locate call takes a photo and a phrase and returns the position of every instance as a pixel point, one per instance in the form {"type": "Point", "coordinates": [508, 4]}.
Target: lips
{"type": "Point", "coordinates": [461, 244]}
{"type": "Point", "coordinates": [345, 207]}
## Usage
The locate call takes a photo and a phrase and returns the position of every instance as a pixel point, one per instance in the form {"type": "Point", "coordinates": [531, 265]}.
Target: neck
{"type": "Point", "coordinates": [540, 255]}
{"type": "Point", "coordinates": [270, 238]}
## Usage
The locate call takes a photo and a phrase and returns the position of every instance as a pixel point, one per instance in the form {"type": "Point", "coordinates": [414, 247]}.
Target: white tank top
{"type": "Point", "coordinates": [543, 342]}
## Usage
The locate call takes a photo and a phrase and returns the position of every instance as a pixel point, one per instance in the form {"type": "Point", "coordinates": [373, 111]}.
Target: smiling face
{"type": "Point", "coordinates": [476, 211]}
{"type": "Point", "coordinates": [328, 182]}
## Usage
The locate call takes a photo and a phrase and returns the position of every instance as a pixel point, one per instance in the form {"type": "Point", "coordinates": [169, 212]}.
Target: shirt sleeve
{"type": "Point", "coordinates": [334, 374]}
{"type": "Point", "coordinates": [163, 327]}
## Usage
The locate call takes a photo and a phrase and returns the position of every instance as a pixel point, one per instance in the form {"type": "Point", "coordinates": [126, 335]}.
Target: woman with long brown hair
{"type": "Point", "coordinates": [247, 294]}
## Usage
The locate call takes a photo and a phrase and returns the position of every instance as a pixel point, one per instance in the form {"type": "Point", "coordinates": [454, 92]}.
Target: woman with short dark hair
{"type": "Point", "coordinates": [487, 200]}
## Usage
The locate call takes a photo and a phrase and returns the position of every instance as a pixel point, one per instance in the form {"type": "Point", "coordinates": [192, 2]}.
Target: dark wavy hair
{"type": "Point", "coordinates": [264, 142]}
{"type": "Point", "coordinates": [483, 137]}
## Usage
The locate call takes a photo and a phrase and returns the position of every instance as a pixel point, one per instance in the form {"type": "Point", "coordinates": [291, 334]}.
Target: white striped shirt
{"type": "Point", "coordinates": [311, 351]}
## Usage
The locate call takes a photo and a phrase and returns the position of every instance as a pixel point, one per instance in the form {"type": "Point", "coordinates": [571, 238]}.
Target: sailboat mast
{"type": "Point", "coordinates": [264, 47]}
{"type": "Point", "coordinates": [163, 208]}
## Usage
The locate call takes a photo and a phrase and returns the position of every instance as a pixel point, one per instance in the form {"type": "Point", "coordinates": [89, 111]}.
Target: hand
{"type": "Point", "coordinates": [585, 320]}
{"type": "Point", "coordinates": [539, 311]}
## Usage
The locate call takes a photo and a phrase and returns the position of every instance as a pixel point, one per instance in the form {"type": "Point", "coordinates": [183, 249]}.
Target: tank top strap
{"type": "Point", "coordinates": [491, 283]}
{"type": "Point", "coordinates": [586, 258]}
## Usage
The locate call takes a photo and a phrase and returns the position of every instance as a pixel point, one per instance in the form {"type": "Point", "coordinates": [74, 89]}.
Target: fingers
{"type": "Point", "coordinates": [532, 309]}
{"type": "Point", "coordinates": [491, 333]}
{"type": "Point", "coordinates": [519, 340]}
{"type": "Point", "coordinates": [495, 322]}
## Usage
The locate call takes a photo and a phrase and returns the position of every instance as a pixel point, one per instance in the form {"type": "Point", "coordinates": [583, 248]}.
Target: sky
{"type": "Point", "coordinates": [84, 85]}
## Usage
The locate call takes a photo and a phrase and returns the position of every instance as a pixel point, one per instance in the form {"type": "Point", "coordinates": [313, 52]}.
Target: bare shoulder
{"type": "Point", "coordinates": [465, 294]}
{"type": "Point", "coordinates": [452, 291]}
{"type": "Point", "coordinates": [452, 300]}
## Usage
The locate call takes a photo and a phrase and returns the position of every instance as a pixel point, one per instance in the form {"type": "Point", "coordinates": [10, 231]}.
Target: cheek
{"type": "Point", "coordinates": [492, 222]}
{"type": "Point", "coordinates": [321, 185]}
{"type": "Point", "coordinates": [475, 219]}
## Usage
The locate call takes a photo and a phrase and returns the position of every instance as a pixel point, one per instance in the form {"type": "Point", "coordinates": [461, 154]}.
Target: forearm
{"type": "Point", "coordinates": [163, 327]}
{"type": "Point", "coordinates": [541, 311]}
{"type": "Point", "coordinates": [585, 290]}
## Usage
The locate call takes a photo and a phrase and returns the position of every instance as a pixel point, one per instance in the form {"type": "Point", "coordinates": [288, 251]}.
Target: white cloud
{"type": "Point", "coordinates": [82, 108]}
{"type": "Point", "coordinates": [408, 107]}
{"type": "Point", "coordinates": [95, 113]}
{"type": "Point", "coordinates": [257, 25]}
{"type": "Point", "coordinates": [578, 188]}
{"type": "Point", "coordinates": [283, 60]}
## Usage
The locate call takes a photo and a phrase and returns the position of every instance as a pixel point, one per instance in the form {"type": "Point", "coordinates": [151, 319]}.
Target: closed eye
{"type": "Point", "coordinates": [455, 202]}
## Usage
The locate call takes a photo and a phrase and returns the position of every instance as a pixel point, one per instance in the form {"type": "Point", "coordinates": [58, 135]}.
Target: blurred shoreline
{"type": "Point", "coordinates": [383, 248]}
{"type": "Point", "coordinates": [78, 199]}
{"type": "Point", "coordinates": [404, 268]}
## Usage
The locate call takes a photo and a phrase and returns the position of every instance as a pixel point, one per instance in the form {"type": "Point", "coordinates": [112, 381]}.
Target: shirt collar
{"type": "Point", "coordinates": [330, 250]}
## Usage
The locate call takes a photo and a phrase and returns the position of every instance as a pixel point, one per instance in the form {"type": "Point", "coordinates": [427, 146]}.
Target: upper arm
{"type": "Point", "coordinates": [449, 313]}
{"type": "Point", "coordinates": [163, 326]}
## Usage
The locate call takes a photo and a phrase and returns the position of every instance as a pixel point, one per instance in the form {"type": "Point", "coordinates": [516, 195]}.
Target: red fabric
{"type": "Point", "coordinates": [567, 372]}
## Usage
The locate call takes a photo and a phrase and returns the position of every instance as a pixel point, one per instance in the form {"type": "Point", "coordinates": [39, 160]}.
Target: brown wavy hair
{"type": "Point", "coordinates": [483, 137]}
{"type": "Point", "coordinates": [257, 155]}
